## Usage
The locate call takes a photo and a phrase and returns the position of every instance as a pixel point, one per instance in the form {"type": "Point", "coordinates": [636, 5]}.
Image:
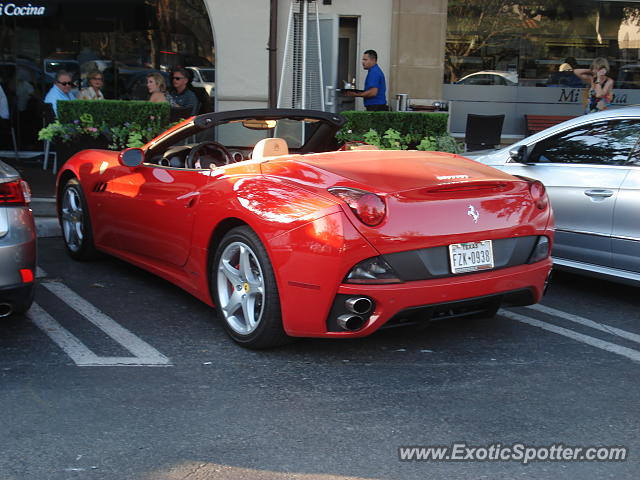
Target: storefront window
{"type": "Point", "coordinates": [501, 57]}
{"type": "Point", "coordinates": [525, 43]}
{"type": "Point", "coordinates": [122, 39]}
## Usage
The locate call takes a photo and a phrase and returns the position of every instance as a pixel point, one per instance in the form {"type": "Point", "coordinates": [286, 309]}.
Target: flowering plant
{"type": "Point", "coordinates": [128, 134]}
{"type": "Point", "coordinates": [65, 132]}
{"type": "Point", "coordinates": [132, 134]}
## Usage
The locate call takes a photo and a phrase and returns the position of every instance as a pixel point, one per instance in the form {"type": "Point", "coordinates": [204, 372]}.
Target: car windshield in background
{"type": "Point", "coordinates": [208, 75]}
{"type": "Point", "coordinates": [53, 66]}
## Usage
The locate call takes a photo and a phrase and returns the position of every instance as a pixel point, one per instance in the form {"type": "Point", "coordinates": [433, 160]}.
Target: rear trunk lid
{"type": "Point", "coordinates": [432, 198]}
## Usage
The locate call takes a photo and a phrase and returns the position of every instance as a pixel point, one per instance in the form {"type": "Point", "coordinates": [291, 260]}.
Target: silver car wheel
{"type": "Point", "coordinates": [241, 288]}
{"type": "Point", "coordinates": [72, 219]}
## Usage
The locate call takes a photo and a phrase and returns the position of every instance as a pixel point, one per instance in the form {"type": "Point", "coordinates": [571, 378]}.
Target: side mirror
{"type": "Point", "coordinates": [131, 157]}
{"type": "Point", "coordinates": [520, 154]}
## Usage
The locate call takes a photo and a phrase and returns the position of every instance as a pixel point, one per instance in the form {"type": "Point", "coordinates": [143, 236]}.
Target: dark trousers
{"type": "Point", "coordinates": [5, 135]}
{"type": "Point", "coordinates": [377, 108]}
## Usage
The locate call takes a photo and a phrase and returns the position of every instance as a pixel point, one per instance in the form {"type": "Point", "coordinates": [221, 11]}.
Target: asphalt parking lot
{"type": "Point", "coordinates": [116, 374]}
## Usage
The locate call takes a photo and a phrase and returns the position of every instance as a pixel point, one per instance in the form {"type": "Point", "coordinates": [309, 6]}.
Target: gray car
{"type": "Point", "coordinates": [17, 244]}
{"type": "Point", "coordinates": [590, 166]}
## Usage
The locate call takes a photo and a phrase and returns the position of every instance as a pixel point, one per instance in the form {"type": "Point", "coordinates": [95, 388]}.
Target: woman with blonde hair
{"type": "Point", "coordinates": [601, 85]}
{"type": "Point", "coordinates": [157, 87]}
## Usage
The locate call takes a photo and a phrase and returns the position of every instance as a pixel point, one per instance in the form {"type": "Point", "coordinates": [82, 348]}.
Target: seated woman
{"type": "Point", "coordinates": [157, 87]}
{"type": "Point", "coordinates": [92, 92]}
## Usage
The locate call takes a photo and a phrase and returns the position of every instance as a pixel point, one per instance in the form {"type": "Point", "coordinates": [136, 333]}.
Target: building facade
{"type": "Point", "coordinates": [480, 56]}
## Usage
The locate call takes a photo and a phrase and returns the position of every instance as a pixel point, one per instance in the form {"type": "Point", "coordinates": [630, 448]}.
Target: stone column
{"type": "Point", "coordinates": [418, 36]}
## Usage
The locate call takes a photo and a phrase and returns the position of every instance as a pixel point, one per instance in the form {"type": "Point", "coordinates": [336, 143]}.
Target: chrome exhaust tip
{"type": "Point", "coordinates": [358, 305]}
{"type": "Point", "coordinates": [350, 322]}
{"type": "Point", "coordinates": [6, 309]}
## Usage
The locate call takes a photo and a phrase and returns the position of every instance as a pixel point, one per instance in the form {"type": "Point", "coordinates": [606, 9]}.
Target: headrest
{"type": "Point", "coordinates": [365, 147]}
{"type": "Point", "coordinates": [270, 147]}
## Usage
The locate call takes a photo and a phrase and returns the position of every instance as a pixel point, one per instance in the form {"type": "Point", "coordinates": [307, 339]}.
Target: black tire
{"type": "Point", "coordinates": [246, 295]}
{"type": "Point", "coordinates": [23, 307]}
{"type": "Point", "coordinates": [76, 222]}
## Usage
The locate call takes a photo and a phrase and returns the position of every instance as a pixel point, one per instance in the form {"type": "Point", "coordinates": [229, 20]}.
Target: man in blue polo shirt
{"type": "Point", "coordinates": [375, 88]}
{"type": "Point", "coordinates": [61, 90]}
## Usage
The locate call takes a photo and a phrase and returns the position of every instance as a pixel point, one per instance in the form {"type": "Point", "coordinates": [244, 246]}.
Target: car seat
{"type": "Point", "coordinates": [270, 147]}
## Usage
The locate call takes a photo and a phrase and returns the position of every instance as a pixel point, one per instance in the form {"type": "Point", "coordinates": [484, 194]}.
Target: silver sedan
{"type": "Point", "coordinates": [590, 166]}
{"type": "Point", "coordinates": [17, 243]}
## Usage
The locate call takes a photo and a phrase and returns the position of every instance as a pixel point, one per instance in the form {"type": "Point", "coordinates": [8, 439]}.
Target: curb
{"type": "Point", "coordinates": [47, 227]}
{"type": "Point", "coordinates": [45, 217]}
{"type": "Point", "coordinates": [44, 206]}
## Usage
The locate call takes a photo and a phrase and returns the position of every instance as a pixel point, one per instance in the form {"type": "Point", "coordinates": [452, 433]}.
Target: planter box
{"type": "Point", "coordinates": [65, 150]}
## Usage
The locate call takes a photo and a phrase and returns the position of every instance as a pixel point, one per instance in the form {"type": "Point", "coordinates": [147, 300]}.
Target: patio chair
{"type": "Point", "coordinates": [48, 116]}
{"type": "Point", "coordinates": [483, 131]}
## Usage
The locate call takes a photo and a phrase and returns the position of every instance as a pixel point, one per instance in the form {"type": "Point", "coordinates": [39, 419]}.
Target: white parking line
{"type": "Point", "coordinates": [594, 342]}
{"type": "Point", "coordinates": [143, 353]}
{"type": "Point", "coordinates": [586, 322]}
{"type": "Point", "coordinates": [73, 347]}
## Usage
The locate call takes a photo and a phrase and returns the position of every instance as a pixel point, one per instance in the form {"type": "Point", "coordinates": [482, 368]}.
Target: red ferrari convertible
{"type": "Point", "coordinates": [255, 212]}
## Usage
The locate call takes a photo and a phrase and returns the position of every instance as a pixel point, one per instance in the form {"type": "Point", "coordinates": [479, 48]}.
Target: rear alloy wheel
{"type": "Point", "coordinates": [246, 291]}
{"type": "Point", "coordinates": [76, 224]}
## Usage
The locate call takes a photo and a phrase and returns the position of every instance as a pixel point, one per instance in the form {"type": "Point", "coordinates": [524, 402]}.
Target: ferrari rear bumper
{"type": "Point", "coordinates": [520, 285]}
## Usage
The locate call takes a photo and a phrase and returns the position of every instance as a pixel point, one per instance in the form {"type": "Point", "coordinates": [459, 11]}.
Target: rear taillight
{"type": "Point", "coordinates": [26, 274]}
{"type": "Point", "coordinates": [368, 207]}
{"type": "Point", "coordinates": [539, 194]}
{"type": "Point", "coordinates": [15, 193]}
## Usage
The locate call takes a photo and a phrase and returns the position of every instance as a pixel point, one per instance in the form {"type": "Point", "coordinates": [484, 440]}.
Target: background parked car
{"type": "Point", "coordinates": [17, 243]}
{"type": "Point", "coordinates": [489, 77]}
{"type": "Point", "coordinates": [591, 168]}
{"type": "Point", "coordinates": [61, 61]}
{"type": "Point", "coordinates": [204, 77]}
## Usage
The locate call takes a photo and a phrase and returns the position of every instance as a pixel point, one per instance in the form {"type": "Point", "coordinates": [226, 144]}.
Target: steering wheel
{"type": "Point", "coordinates": [210, 147]}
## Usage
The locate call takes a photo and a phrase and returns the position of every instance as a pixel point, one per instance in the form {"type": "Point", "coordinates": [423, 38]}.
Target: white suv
{"type": "Point", "coordinates": [204, 77]}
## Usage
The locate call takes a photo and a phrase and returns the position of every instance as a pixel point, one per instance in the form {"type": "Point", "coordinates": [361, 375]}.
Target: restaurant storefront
{"type": "Point", "coordinates": [123, 39]}
{"type": "Point", "coordinates": [507, 56]}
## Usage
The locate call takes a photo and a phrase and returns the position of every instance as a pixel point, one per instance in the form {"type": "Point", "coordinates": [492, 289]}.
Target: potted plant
{"type": "Point", "coordinates": [70, 138]}
{"type": "Point", "coordinates": [85, 133]}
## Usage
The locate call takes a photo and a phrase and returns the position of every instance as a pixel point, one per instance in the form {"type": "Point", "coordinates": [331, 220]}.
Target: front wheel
{"type": "Point", "coordinates": [76, 223]}
{"type": "Point", "coordinates": [246, 292]}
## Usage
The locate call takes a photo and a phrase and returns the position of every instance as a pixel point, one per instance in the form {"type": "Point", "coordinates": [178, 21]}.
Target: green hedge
{"type": "Point", "coordinates": [406, 123]}
{"type": "Point", "coordinates": [114, 112]}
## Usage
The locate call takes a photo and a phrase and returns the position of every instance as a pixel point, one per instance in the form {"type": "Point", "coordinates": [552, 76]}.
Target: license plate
{"type": "Point", "coordinates": [471, 257]}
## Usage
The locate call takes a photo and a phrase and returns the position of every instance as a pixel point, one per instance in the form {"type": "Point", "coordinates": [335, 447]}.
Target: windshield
{"type": "Point", "coordinates": [208, 75]}
{"type": "Point", "coordinates": [304, 131]}
{"type": "Point", "coordinates": [236, 135]}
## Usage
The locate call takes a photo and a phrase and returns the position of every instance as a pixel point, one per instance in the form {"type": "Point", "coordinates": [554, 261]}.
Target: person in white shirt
{"type": "Point", "coordinates": [92, 92]}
